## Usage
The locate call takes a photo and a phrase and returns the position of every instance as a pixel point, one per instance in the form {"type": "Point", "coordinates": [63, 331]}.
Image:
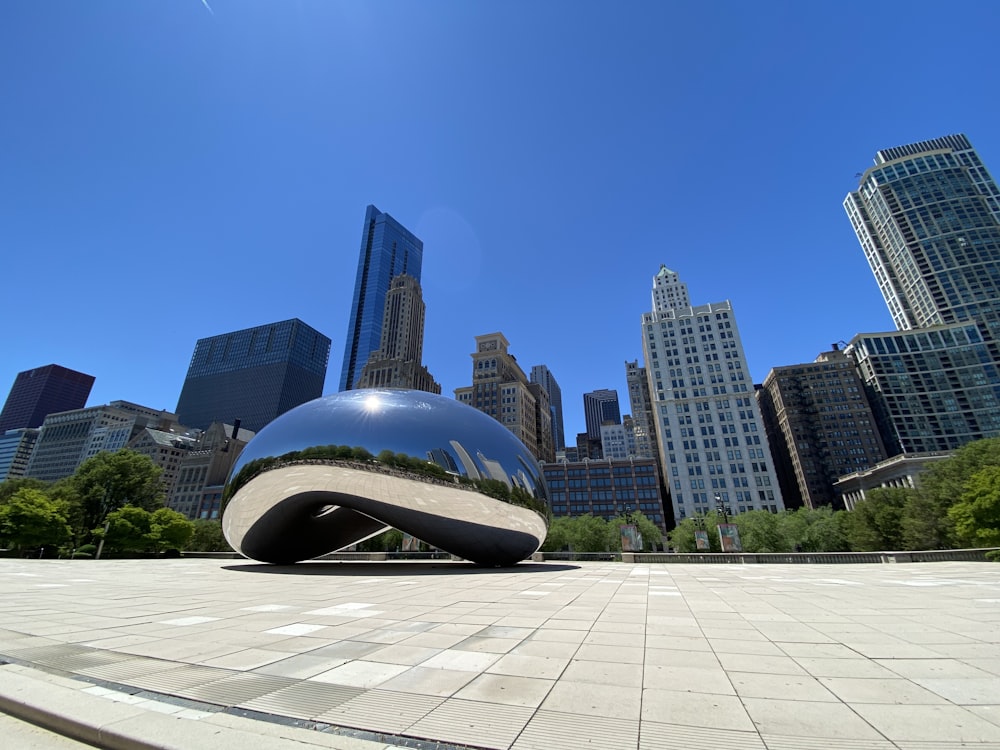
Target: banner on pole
{"type": "Point", "coordinates": [729, 537]}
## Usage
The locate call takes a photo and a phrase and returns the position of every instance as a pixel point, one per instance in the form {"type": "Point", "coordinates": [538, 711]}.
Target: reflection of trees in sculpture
{"type": "Point", "coordinates": [400, 464]}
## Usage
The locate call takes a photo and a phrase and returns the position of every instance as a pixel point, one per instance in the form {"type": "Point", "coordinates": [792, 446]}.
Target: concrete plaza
{"type": "Point", "coordinates": [204, 653]}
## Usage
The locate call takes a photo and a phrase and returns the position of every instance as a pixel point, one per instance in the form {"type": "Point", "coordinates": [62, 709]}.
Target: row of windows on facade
{"type": "Point", "coordinates": [601, 471]}
{"type": "Point", "coordinates": [561, 496]}
{"type": "Point", "coordinates": [728, 442]}
{"type": "Point", "coordinates": [601, 482]}
{"type": "Point", "coordinates": [607, 512]}
{"type": "Point", "coordinates": [685, 320]}
{"type": "Point", "coordinates": [717, 483]}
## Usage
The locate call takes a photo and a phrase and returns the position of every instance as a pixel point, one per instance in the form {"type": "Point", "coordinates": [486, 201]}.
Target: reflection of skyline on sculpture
{"type": "Point", "coordinates": [339, 469]}
{"type": "Point", "coordinates": [451, 455]}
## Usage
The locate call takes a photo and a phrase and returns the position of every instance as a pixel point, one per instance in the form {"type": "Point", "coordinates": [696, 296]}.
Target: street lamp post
{"type": "Point", "coordinates": [720, 507]}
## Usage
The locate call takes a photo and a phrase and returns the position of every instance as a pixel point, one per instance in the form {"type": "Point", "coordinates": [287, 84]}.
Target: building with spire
{"type": "Point", "coordinates": [711, 437]}
{"type": "Point", "coordinates": [388, 249]}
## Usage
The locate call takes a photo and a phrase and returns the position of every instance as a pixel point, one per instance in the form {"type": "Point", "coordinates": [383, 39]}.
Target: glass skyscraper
{"type": "Point", "coordinates": [387, 250]}
{"type": "Point", "coordinates": [928, 219]}
{"type": "Point", "coordinates": [543, 376]}
{"type": "Point", "coordinates": [253, 375]}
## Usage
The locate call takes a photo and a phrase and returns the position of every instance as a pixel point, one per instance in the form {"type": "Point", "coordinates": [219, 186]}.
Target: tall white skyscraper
{"type": "Point", "coordinates": [713, 448]}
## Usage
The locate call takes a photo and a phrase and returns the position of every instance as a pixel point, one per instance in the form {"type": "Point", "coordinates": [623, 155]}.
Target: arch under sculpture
{"type": "Point", "coordinates": [340, 469]}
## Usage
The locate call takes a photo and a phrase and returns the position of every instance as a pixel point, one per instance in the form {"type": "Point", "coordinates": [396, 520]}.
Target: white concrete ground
{"type": "Point", "coordinates": [188, 653]}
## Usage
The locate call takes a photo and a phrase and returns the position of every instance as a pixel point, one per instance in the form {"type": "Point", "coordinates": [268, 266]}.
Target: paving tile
{"type": "Point", "coordinates": [965, 692]}
{"type": "Point", "coordinates": [545, 667]}
{"type": "Point", "coordinates": [381, 711]}
{"type": "Point", "coordinates": [487, 645]}
{"type": "Point", "coordinates": [506, 689]}
{"type": "Point", "coordinates": [604, 673]}
{"type": "Point", "coordinates": [760, 663]}
{"type": "Point", "coordinates": [854, 667]}
{"type": "Point", "coordinates": [547, 731]}
{"type": "Point", "coordinates": [427, 681]}
{"type": "Point", "coordinates": [951, 724]}
{"type": "Point", "coordinates": [473, 723]}
{"type": "Point", "coordinates": [617, 654]}
{"type": "Point", "coordinates": [592, 699]}
{"type": "Point", "coordinates": [802, 718]}
{"type": "Point", "coordinates": [301, 666]}
{"type": "Point", "coordinates": [932, 668]}
{"type": "Point", "coordinates": [658, 736]}
{"type": "Point", "coordinates": [692, 679]}
{"type": "Point", "coordinates": [777, 686]}
{"type": "Point", "coordinates": [705, 710]}
{"type": "Point", "coordinates": [363, 674]}
{"type": "Point", "coordinates": [247, 659]}
{"type": "Point", "coordinates": [470, 661]}
{"type": "Point", "coordinates": [879, 690]}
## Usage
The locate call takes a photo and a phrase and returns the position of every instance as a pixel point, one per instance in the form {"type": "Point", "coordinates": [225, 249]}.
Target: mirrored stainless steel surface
{"type": "Point", "coordinates": [342, 468]}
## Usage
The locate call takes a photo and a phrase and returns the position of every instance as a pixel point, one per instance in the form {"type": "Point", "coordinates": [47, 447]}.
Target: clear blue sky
{"type": "Point", "coordinates": [173, 170]}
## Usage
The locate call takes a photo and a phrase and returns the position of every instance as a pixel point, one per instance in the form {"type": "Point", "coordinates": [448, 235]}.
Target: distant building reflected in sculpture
{"type": "Point", "coordinates": [343, 468]}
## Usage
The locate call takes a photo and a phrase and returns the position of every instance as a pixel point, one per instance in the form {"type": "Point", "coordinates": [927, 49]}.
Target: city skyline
{"type": "Point", "coordinates": [238, 171]}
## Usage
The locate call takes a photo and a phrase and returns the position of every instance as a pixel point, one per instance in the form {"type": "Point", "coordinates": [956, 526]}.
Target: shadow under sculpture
{"type": "Point", "coordinates": [340, 469]}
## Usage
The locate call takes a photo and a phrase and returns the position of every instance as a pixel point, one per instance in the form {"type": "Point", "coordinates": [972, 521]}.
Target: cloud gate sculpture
{"type": "Point", "coordinates": [342, 468]}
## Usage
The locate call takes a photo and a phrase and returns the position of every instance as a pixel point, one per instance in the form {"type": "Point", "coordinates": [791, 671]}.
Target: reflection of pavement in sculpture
{"type": "Point", "coordinates": [343, 468]}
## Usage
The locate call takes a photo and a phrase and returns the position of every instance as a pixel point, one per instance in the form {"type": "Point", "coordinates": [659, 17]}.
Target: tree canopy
{"type": "Point", "coordinates": [109, 481]}
{"type": "Point", "coordinates": [30, 520]}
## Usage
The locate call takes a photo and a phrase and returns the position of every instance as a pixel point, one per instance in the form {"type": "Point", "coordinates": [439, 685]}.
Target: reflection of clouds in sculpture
{"type": "Point", "coordinates": [339, 469]}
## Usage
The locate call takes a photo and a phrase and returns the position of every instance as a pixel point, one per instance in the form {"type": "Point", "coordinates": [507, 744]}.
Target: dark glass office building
{"type": "Point", "coordinates": [387, 250]}
{"type": "Point", "coordinates": [253, 375]}
{"type": "Point", "coordinates": [43, 391]}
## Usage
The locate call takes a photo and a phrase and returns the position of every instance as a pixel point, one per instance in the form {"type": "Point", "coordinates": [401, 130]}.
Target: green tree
{"type": "Point", "coordinates": [169, 529]}
{"type": "Point", "coordinates": [925, 524]}
{"type": "Point", "coordinates": [560, 534]}
{"type": "Point", "coordinates": [652, 537]}
{"type": "Point", "coordinates": [389, 540]}
{"type": "Point", "coordinates": [30, 519]}
{"type": "Point", "coordinates": [128, 530]}
{"type": "Point", "coordinates": [109, 481]}
{"type": "Point", "coordinates": [827, 531]}
{"type": "Point", "coordinates": [760, 532]}
{"type": "Point", "coordinates": [208, 537]}
{"type": "Point", "coordinates": [682, 537]}
{"type": "Point", "coordinates": [10, 487]}
{"type": "Point", "coordinates": [589, 534]}
{"type": "Point", "coordinates": [942, 485]}
{"type": "Point", "coordinates": [876, 523]}
{"type": "Point", "coordinates": [976, 515]}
